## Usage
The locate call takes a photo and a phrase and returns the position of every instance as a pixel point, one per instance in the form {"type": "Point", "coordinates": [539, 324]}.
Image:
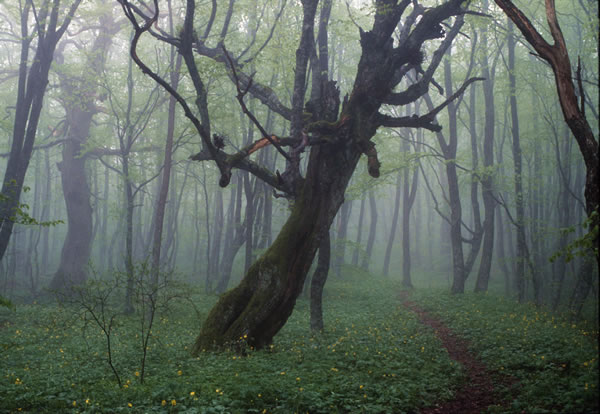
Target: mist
{"type": "Point", "coordinates": [285, 206]}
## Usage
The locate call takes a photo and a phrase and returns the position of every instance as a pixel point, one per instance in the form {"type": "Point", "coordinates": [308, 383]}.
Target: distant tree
{"type": "Point", "coordinates": [261, 304]}
{"type": "Point", "coordinates": [32, 83]}
{"type": "Point", "coordinates": [80, 97]}
{"type": "Point", "coordinates": [572, 103]}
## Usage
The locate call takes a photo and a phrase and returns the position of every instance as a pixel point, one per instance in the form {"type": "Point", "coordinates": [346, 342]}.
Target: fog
{"type": "Point", "coordinates": [274, 174]}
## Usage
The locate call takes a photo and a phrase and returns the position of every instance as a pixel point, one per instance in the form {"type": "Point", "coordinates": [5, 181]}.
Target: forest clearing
{"type": "Point", "coordinates": [375, 356]}
{"type": "Point", "coordinates": [277, 206]}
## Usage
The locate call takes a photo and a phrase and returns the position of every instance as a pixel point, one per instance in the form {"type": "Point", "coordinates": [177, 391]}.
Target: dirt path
{"type": "Point", "coordinates": [478, 392]}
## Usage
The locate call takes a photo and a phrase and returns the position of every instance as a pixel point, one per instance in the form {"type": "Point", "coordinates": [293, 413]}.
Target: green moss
{"type": "Point", "coordinates": [242, 309]}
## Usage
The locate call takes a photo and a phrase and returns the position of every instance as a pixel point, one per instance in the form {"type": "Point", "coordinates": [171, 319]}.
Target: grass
{"type": "Point", "coordinates": [374, 357]}
{"type": "Point", "coordinates": [551, 363]}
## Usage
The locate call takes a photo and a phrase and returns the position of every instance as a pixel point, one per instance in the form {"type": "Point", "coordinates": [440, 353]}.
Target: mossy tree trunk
{"type": "Point", "coordinates": [260, 305]}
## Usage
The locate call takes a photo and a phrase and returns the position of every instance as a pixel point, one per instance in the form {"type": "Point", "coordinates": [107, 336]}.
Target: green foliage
{"type": "Point", "coordinates": [582, 246]}
{"type": "Point", "coordinates": [6, 303]}
{"type": "Point", "coordinates": [21, 214]}
{"type": "Point", "coordinates": [549, 363]}
{"type": "Point", "coordinates": [374, 357]}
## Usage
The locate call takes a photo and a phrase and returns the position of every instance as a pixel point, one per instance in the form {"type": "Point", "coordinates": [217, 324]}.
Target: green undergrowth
{"type": "Point", "coordinates": [546, 363]}
{"type": "Point", "coordinates": [373, 357]}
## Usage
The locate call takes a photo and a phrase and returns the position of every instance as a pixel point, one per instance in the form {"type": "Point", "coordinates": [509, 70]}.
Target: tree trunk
{"type": "Point", "coordinates": [477, 229]}
{"type": "Point", "coordinates": [261, 304]}
{"type": "Point", "coordinates": [318, 282]}
{"type": "Point", "coordinates": [357, 248]}
{"type": "Point", "coordinates": [216, 244]}
{"type": "Point", "coordinates": [31, 89]}
{"type": "Point", "coordinates": [393, 225]}
{"type": "Point", "coordinates": [449, 149]}
{"type": "Point", "coordinates": [489, 202]}
{"type": "Point", "coordinates": [557, 56]}
{"type": "Point", "coordinates": [408, 199]}
{"type": "Point", "coordinates": [159, 213]}
{"type": "Point", "coordinates": [78, 242]}
{"type": "Point", "coordinates": [372, 231]}
{"type": "Point", "coordinates": [517, 159]}
{"type": "Point", "coordinates": [342, 233]}
{"type": "Point", "coordinates": [80, 109]}
{"type": "Point", "coordinates": [234, 237]}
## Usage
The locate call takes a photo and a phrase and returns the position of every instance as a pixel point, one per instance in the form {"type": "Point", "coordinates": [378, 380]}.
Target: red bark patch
{"type": "Point", "coordinates": [478, 393]}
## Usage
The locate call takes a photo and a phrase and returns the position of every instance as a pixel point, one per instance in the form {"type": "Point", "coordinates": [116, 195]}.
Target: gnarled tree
{"type": "Point", "coordinates": [261, 304]}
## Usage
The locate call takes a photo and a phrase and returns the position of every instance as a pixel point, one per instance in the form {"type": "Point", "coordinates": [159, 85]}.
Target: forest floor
{"type": "Point", "coordinates": [433, 353]}
{"type": "Point", "coordinates": [477, 393]}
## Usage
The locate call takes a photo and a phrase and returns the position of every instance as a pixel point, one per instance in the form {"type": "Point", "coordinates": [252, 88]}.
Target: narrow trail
{"type": "Point", "coordinates": [478, 392]}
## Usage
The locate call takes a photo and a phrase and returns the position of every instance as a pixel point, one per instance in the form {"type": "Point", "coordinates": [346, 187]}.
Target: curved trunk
{"type": "Point", "coordinates": [263, 301]}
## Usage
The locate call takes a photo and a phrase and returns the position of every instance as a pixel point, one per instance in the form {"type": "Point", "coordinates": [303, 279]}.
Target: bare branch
{"type": "Point", "coordinates": [240, 98]}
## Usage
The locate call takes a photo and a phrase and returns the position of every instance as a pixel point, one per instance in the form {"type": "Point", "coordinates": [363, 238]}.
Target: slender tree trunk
{"type": "Point", "coordinates": [249, 220]}
{"type": "Point", "coordinates": [372, 231]}
{"type": "Point", "coordinates": [517, 159]}
{"type": "Point", "coordinates": [501, 257]}
{"type": "Point", "coordinates": [572, 103]}
{"type": "Point", "coordinates": [408, 199]}
{"type": "Point", "coordinates": [32, 83]}
{"type": "Point", "coordinates": [129, 199]}
{"type": "Point", "coordinates": [234, 236]}
{"type": "Point", "coordinates": [46, 211]}
{"type": "Point", "coordinates": [318, 282]}
{"type": "Point", "coordinates": [342, 233]}
{"type": "Point", "coordinates": [475, 244]}
{"type": "Point", "coordinates": [487, 183]}
{"type": "Point", "coordinates": [357, 248]}
{"type": "Point", "coordinates": [449, 149]}
{"type": "Point", "coordinates": [159, 213]}
{"type": "Point", "coordinates": [216, 245]}
{"type": "Point", "coordinates": [393, 225]}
